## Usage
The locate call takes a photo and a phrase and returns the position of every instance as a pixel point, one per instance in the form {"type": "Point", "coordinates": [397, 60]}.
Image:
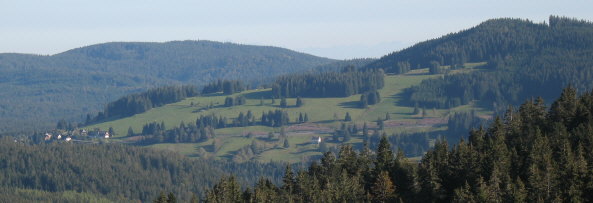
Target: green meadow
{"type": "Point", "coordinates": [322, 112]}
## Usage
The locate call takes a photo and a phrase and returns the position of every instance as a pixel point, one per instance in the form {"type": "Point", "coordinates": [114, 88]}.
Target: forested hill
{"type": "Point", "coordinates": [38, 90]}
{"type": "Point", "coordinates": [492, 39]}
{"type": "Point", "coordinates": [189, 61]}
{"type": "Point", "coordinates": [524, 60]}
{"type": "Point", "coordinates": [118, 172]}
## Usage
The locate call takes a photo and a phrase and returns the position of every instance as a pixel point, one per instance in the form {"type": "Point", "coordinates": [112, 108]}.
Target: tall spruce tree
{"type": "Point", "coordinates": [347, 117]}
{"type": "Point", "coordinates": [283, 103]}
{"type": "Point", "coordinates": [383, 189]}
{"type": "Point", "coordinates": [299, 102]}
{"type": "Point", "coordinates": [384, 156]}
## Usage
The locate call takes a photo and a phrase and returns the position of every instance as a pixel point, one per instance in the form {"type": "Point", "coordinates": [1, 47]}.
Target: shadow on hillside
{"type": "Point", "coordinates": [308, 150]}
{"type": "Point", "coordinates": [324, 121]}
{"type": "Point", "coordinates": [228, 156]}
{"type": "Point", "coordinates": [482, 105]}
{"type": "Point", "coordinates": [194, 155]}
{"type": "Point", "coordinates": [400, 99]}
{"type": "Point", "coordinates": [418, 73]}
{"type": "Point", "coordinates": [213, 94]}
{"type": "Point", "coordinates": [259, 95]}
{"type": "Point", "coordinates": [305, 144]}
{"type": "Point", "coordinates": [349, 104]}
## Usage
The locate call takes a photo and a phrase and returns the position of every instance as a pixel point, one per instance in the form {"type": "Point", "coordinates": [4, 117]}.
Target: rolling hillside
{"type": "Point", "coordinates": [499, 62]}
{"type": "Point", "coordinates": [322, 113]}
{"type": "Point", "coordinates": [39, 90]}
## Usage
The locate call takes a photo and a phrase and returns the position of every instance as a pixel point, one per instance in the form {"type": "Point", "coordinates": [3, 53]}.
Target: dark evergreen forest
{"type": "Point", "coordinates": [116, 171]}
{"type": "Point", "coordinates": [328, 84]}
{"type": "Point", "coordinates": [524, 60]}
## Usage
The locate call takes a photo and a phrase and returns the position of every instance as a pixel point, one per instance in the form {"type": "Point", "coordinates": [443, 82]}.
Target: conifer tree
{"type": "Point", "coordinates": [111, 132]}
{"type": "Point", "coordinates": [365, 129]}
{"type": "Point", "coordinates": [171, 198]}
{"type": "Point", "coordinates": [299, 102]}
{"type": "Point", "coordinates": [283, 103]}
{"type": "Point", "coordinates": [289, 181]}
{"type": "Point", "coordinates": [130, 131]}
{"type": "Point", "coordinates": [194, 199]}
{"type": "Point", "coordinates": [162, 198]}
{"type": "Point", "coordinates": [383, 188]}
{"type": "Point", "coordinates": [347, 117]}
{"type": "Point", "coordinates": [363, 103]}
{"type": "Point", "coordinates": [416, 109]}
{"type": "Point", "coordinates": [347, 136]}
{"type": "Point", "coordinates": [384, 156]}
{"type": "Point", "coordinates": [283, 132]}
{"type": "Point", "coordinates": [88, 119]}
{"type": "Point", "coordinates": [424, 113]}
{"type": "Point", "coordinates": [380, 124]}
{"type": "Point", "coordinates": [464, 194]}
{"type": "Point", "coordinates": [519, 193]}
{"type": "Point", "coordinates": [564, 108]}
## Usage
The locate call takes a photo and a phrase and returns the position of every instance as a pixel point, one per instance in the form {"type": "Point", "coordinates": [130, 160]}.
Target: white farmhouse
{"type": "Point", "coordinates": [316, 140]}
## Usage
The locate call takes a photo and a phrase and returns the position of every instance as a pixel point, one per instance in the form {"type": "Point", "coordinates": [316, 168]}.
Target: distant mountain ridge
{"type": "Point", "coordinates": [40, 89]}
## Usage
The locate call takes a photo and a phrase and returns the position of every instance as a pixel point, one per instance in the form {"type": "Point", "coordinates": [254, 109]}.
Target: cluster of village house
{"type": "Point", "coordinates": [82, 132]}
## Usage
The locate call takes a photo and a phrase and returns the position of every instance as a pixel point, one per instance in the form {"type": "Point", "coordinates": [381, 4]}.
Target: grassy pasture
{"type": "Point", "coordinates": [321, 111]}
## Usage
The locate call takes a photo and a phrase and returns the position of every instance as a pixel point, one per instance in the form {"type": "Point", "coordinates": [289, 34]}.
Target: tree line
{"type": "Point", "coordinates": [328, 84]}
{"type": "Point", "coordinates": [141, 102]}
{"type": "Point", "coordinates": [156, 133]}
{"type": "Point", "coordinates": [369, 98]}
{"type": "Point", "coordinates": [234, 101]}
{"type": "Point", "coordinates": [204, 127]}
{"type": "Point", "coordinates": [224, 86]}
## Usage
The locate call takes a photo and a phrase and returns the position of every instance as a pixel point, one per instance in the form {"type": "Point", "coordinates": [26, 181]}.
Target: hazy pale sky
{"type": "Point", "coordinates": [335, 29]}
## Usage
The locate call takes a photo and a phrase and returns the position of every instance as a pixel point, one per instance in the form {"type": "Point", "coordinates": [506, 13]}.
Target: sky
{"type": "Point", "coordinates": [341, 29]}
